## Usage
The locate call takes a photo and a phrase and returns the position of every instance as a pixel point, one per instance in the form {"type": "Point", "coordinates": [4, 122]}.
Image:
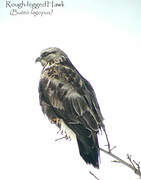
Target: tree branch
{"type": "Point", "coordinates": [135, 166]}
{"type": "Point", "coordinates": [94, 175]}
{"type": "Point", "coordinates": [132, 165]}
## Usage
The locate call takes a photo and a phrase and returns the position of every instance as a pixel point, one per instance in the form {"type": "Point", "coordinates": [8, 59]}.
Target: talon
{"type": "Point", "coordinates": [58, 131]}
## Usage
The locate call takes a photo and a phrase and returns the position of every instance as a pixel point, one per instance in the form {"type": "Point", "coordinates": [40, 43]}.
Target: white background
{"type": "Point", "coordinates": [103, 40]}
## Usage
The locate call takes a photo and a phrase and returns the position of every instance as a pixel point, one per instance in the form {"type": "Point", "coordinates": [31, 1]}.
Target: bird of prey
{"type": "Point", "coordinates": [69, 101]}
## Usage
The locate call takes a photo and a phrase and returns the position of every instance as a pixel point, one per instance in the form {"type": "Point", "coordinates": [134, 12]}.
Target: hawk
{"type": "Point", "coordinates": [69, 101]}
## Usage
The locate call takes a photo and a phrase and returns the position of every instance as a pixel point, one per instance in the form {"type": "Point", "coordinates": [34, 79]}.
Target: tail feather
{"type": "Point", "coordinates": [89, 149]}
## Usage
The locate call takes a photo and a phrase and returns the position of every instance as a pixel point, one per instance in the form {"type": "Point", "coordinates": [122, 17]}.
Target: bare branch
{"type": "Point", "coordinates": [137, 164]}
{"type": "Point", "coordinates": [113, 148]}
{"type": "Point", "coordinates": [115, 161]}
{"type": "Point", "coordinates": [94, 175]}
{"type": "Point", "coordinates": [129, 157]}
{"type": "Point", "coordinates": [108, 144]}
{"type": "Point", "coordinates": [133, 164]}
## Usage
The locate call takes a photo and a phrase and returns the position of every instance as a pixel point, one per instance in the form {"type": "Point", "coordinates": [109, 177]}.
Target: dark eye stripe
{"type": "Point", "coordinates": [44, 54]}
{"type": "Point", "coordinates": [47, 53]}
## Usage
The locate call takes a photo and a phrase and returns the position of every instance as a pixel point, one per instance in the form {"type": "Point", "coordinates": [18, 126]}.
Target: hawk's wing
{"type": "Point", "coordinates": [71, 98]}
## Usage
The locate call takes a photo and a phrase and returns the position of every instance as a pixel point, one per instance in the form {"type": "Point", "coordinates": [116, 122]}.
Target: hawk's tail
{"type": "Point", "coordinates": [89, 149]}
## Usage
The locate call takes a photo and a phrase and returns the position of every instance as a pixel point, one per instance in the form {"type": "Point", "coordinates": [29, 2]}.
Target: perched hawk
{"type": "Point", "coordinates": [69, 101]}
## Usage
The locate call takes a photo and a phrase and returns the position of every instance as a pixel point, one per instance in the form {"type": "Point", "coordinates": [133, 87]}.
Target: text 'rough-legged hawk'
{"type": "Point", "coordinates": [70, 102]}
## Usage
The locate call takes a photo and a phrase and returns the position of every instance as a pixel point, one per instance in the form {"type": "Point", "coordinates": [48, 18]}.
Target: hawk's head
{"type": "Point", "coordinates": [51, 55]}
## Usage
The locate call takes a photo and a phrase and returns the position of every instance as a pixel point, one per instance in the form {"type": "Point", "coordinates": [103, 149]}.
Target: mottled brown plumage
{"type": "Point", "coordinates": [67, 98]}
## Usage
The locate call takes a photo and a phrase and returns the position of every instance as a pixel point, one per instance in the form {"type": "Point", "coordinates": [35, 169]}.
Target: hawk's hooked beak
{"type": "Point", "coordinates": [38, 60]}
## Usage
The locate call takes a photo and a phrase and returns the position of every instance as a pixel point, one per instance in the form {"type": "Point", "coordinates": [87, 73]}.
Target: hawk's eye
{"type": "Point", "coordinates": [47, 53]}
{"type": "Point", "coordinates": [44, 54]}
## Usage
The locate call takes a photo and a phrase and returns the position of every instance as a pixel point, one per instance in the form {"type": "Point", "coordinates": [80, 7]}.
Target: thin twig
{"type": "Point", "coordinates": [137, 164]}
{"type": "Point", "coordinates": [94, 175]}
{"type": "Point", "coordinates": [129, 157]}
{"type": "Point", "coordinates": [113, 148]}
{"type": "Point", "coordinates": [108, 143]}
{"type": "Point", "coordinates": [134, 163]}
{"type": "Point", "coordinates": [115, 161]}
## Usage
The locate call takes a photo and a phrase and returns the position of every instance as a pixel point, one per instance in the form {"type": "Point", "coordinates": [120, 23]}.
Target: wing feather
{"type": "Point", "coordinates": [74, 100]}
